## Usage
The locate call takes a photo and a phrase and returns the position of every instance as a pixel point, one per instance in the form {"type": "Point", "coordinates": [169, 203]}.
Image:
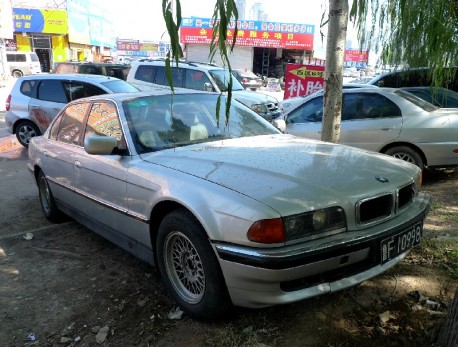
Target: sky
{"type": "Point", "coordinates": [142, 19]}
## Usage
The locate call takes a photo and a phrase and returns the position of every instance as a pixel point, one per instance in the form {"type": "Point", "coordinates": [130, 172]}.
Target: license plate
{"type": "Point", "coordinates": [397, 244]}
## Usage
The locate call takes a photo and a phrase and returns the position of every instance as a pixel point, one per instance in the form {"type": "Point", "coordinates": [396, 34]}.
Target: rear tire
{"type": "Point", "coordinates": [17, 73]}
{"type": "Point", "coordinates": [407, 154]}
{"type": "Point", "coordinates": [25, 131]}
{"type": "Point", "coordinates": [189, 267]}
{"type": "Point", "coordinates": [47, 202]}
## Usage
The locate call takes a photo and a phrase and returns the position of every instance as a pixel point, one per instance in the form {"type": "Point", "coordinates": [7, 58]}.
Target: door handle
{"type": "Point", "coordinates": [78, 163]}
{"type": "Point", "coordinates": [387, 129]}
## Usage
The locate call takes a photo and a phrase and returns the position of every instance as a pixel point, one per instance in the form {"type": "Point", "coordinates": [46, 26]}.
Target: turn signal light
{"type": "Point", "coordinates": [8, 103]}
{"type": "Point", "coordinates": [267, 231]}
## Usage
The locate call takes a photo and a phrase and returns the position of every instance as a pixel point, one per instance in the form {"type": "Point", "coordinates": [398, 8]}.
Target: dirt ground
{"type": "Point", "coordinates": [62, 285]}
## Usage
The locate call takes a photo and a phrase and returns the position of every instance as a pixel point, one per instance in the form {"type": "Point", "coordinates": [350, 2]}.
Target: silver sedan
{"type": "Point", "coordinates": [230, 210]}
{"type": "Point", "coordinates": [390, 121]}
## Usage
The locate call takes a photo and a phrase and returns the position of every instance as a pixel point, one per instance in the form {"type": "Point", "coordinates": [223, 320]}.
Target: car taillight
{"type": "Point", "coordinates": [8, 101]}
{"type": "Point", "coordinates": [245, 80]}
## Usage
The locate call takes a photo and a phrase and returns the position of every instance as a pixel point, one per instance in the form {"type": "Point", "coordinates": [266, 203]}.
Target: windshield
{"type": "Point", "coordinates": [221, 78]}
{"type": "Point", "coordinates": [119, 86]}
{"type": "Point", "coordinates": [416, 100]}
{"type": "Point", "coordinates": [166, 121]}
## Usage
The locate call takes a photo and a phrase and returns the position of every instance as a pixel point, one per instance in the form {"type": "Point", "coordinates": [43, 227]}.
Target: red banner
{"type": "Point", "coordinates": [128, 45]}
{"type": "Point", "coordinates": [303, 79]}
{"type": "Point", "coordinates": [253, 38]}
{"type": "Point", "coordinates": [356, 55]}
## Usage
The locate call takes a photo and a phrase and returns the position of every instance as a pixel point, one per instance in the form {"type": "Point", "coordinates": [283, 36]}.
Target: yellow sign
{"type": "Point", "coordinates": [304, 73]}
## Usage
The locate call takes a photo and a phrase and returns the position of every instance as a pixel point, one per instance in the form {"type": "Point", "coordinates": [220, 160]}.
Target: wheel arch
{"type": "Point", "coordinates": [406, 144]}
{"type": "Point", "coordinates": [158, 213]}
{"type": "Point", "coordinates": [23, 120]}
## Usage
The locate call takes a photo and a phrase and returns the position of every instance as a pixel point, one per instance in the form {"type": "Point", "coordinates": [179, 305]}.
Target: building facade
{"type": "Point", "coordinates": [58, 31]}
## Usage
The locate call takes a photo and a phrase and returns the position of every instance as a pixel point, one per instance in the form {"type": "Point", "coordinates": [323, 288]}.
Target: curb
{"type": "Point", "coordinates": [9, 142]}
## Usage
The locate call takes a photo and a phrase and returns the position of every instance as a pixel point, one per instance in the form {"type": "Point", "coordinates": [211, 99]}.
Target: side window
{"type": "Point", "coordinates": [351, 108]}
{"type": "Point", "coordinates": [195, 79]}
{"type": "Point", "coordinates": [91, 69]}
{"type": "Point", "coordinates": [160, 75]}
{"type": "Point", "coordinates": [16, 58]}
{"type": "Point", "coordinates": [103, 121]}
{"type": "Point", "coordinates": [27, 87]}
{"type": "Point", "coordinates": [115, 72]}
{"type": "Point", "coordinates": [71, 125]}
{"type": "Point", "coordinates": [368, 106]}
{"type": "Point", "coordinates": [145, 73]}
{"type": "Point", "coordinates": [311, 111]}
{"type": "Point", "coordinates": [55, 128]}
{"type": "Point", "coordinates": [78, 90]}
{"type": "Point", "coordinates": [178, 76]}
{"type": "Point", "coordinates": [52, 90]}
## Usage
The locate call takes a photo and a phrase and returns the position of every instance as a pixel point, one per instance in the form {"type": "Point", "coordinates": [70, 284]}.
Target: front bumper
{"type": "Point", "coordinates": [259, 277]}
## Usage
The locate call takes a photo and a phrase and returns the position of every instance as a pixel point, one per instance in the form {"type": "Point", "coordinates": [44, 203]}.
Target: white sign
{"type": "Point", "coordinates": [6, 20]}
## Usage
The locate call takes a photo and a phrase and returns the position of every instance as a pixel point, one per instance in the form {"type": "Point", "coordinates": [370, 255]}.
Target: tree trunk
{"type": "Point", "coordinates": [448, 336]}
{"type": "Point", "coordinates": [335, 50]}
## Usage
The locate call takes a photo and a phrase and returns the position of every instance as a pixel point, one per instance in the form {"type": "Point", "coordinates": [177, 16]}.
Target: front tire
{"type": "Point", "coordinates": [47, 202]}
{"type": "Point", "coordinates": [25, 131]}
{"type": "Point", "coordinates": [189, 267]}
{"type": "Point", "coordinates": [407, 154]}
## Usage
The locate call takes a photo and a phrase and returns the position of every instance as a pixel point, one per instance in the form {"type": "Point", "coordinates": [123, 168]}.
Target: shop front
{"type": "Point", "coordinates": [263, 47]}
{"type": "Point", "coordinates": [43, 32]}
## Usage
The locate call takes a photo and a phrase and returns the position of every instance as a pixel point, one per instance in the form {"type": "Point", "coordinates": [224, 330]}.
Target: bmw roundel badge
{"type": "Point", "coordinates": [381, 179]}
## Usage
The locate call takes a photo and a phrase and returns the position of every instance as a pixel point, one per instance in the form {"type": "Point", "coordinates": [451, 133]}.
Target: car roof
{"type": "Point", "coordinates": [79, 77]}
{"type": "Point", "coordinates": [156, 92]}
{"type": "Point", "coordinates": [182, 64]}
{"type": "Point", "coordinates": [98, 63]}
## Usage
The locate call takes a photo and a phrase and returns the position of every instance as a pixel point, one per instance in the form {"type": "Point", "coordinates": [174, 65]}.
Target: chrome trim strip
{"type": "Point", "coordinates": [100, 202]}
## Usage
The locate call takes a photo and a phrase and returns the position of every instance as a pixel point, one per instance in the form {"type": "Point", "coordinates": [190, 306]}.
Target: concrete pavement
{"type": "Point", "coordinates": [7, 141]}
{"type": "Point", "coordinates": [5, 88]}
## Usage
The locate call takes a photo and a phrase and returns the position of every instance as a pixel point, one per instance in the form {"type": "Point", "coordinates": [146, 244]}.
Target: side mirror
{"type": "Point", "coordinates": [280, 124]}
{"type": "Point", "coordinates": [102, 145]}
{"type": "Point", "coordinates": [208, 87]}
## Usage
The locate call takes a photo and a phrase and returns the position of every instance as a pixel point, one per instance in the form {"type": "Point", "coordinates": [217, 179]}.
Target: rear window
{"type": "Point", "coordinates": [119, 86]}
{"type": "Point", "coordinates": [27, 87]}
{"type": "Point", "coordinates": [416, 100]}
{"type": "Point", "coordinates": [34, 57]}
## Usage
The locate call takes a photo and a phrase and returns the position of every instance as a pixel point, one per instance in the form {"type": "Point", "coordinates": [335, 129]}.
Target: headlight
{"type": "Point", "coordinates": [278, 230]}
{"type": "Point", "coordinates": [330, 219]}
{"type": "Point", "coordinates": [259, 108]}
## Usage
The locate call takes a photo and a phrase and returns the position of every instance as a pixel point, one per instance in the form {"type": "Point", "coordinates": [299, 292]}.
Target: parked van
{"type": "Point", "coordinates": [415, 77]}
{"type": "Point", "coordinates": [23, 63]}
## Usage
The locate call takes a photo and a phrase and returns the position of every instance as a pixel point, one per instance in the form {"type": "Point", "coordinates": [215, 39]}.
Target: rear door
{"type": "Point", "coordinates": [50, 98]}
{"type": "Point", "coordinates": [369, 121]}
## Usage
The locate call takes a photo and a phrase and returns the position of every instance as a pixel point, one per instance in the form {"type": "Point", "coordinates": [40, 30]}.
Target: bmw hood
{"type": "Point", "coordinates": [288, 173]}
